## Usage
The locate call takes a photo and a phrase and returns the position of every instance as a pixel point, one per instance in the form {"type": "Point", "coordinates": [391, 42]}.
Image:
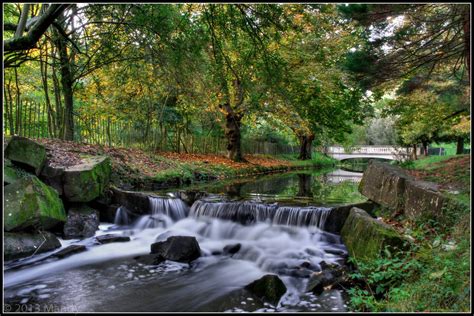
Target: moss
{"type": "Point", "coordinates": [366, 237]}
{"type": "Point", "coordinates": [26, 152]}
{"type": "Point", "coordinates": [29, 203]}
{"type": "Point", "coordinates": [87, 181]}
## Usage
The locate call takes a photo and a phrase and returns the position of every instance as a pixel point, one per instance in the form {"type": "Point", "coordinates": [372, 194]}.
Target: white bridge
{"type": "Point", "coordinates": [381, 152]}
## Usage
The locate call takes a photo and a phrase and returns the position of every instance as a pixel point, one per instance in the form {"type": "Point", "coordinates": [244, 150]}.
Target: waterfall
{"type": "Point", "coordinates": [121, 216]}
{"type": "Point", "coordinates": [302, 216]}
{"type": "Point", "coordinates": [250, 212]}
{"type": "Point", "coordinates": [174, 208]}
{"type": "Point", "coordinates": [241, 212]}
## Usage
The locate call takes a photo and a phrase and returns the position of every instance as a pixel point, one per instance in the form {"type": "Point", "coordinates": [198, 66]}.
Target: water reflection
{"type": "Point", "coordinates": [305, 187]}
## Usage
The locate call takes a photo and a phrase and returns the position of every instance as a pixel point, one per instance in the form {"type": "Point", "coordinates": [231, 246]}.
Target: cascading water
{"type": "Point", "coordinates": [272, 239]}
{"type": "Point", "coordinates": [164, 211]}
{"type": "Point", "coordinates": [121, 217]}
{"type": "Point", "coordinates": [250, 212]}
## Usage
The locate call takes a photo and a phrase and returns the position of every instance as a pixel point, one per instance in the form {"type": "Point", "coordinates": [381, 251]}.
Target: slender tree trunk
{"type": "Point", "coordinates": [467, 40]}
{"type": "Point", "coordinates": [414, 152]}
{"type": "Point", "coordinates": [66, 83]}
{"type": "Point", "coordinates": [425, 148]}
{"type": "Point", "coordinates": [59, 106]}
{"type": "Point", "coordinates": [459, 146]}
{"type": "Point", "coordinates": [306, 142]}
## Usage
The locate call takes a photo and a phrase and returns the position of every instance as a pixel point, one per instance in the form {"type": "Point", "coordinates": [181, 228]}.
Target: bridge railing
{"type": "Point", "coordinates": [388, 150]}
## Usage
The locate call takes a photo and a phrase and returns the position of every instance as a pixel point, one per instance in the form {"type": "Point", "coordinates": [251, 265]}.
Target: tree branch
{"type": "Point", "coordinates": [37, 30]}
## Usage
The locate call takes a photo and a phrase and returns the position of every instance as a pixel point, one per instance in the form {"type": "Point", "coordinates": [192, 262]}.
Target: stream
{"type": "Point", "coordinates": [277, 220]}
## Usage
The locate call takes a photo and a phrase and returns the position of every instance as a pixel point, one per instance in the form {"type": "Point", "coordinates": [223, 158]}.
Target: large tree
{"type": "Point", "coordinates": [403, 39]}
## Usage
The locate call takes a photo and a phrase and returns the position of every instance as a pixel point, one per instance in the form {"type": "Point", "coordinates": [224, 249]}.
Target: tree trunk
{"type": "Point", "coordinates": [306, 142]}
{"type": "Point", "coordinates": [66, 83]}
{"type": "Point", "coordinates": [459, 146]}
{"type": "Point", "coordinates": [467, 40]}
{"type": "Point", "coordinates": [414, 152]}
{"type": "Point", "coordinates": [232, 133]}
{"type": "Point", "coordinates": [425, 148]}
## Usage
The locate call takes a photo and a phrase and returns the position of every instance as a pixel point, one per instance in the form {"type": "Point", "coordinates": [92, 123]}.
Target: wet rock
{"type": "Point", "coordinates": [29, 203]}
{"type": "Point", "coordinates": [137, 202]}
{"type": "Point", "coordinates": [86, 181]}
{"type": "Point", "coordinates": [109, 238]}
{"type": "Point", "coordinates": [331, 276]}
{"type": "Point", "coordinates": [366, 237]}
{"type": "Point", "coordinates": [232, 249]}
{"type": "Point", "coordinates": [177, 248]}
{"type": "Point", "coordinates": [19, 245]}
{"type": "Point", "coordinates": [336, 218]}
{"type": "Point", "coordinates": [82, 222]}
{"type": "Point", "coordinates": [150, 259]}
{"type": "Point", "coordinates": [190, 196]}
{"type": "Point", "coordinates": [26, 153]}
{"type": "Point", "coordinates": [69, 251]}
{"type": "Point", "coordinates": [269, 288]}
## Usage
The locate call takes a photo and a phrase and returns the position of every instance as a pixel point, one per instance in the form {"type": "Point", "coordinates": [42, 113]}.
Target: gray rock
{"type": "Point", "coordinates": [177, 248]}
{"type": "Point", "coordinates": [384, 184]}
{"type": "Point", "coordinates": [19, 245]}
{"type": "Point", "coordinates": [269, 288]}
{"type": "Point", "coordinates": [53, 176]}
{"type": "Point", "coordinates": [232, 249]}
{"type": "Point", "coordinates": [69, 251]}
{"type": "Point", "coordinates": [109, 238]}
{"type": "Point", "coordinates": [86, 181]}
{"type": "Point", "coordinates": [26, 153]}
{"type": "Point", "coordinates": [82, 222]}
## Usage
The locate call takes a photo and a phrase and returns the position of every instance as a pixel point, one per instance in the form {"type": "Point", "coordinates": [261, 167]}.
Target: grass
{"type": "Point", "coordinates": [449, 148]}
{"type": "Point", "coordinates": [196, 171]}
{"type": "Point", "coordinates": [439, 276]}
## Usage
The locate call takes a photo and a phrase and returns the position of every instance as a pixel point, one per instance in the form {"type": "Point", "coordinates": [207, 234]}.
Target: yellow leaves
{"type": "Point", "coordinates": [463, 127]}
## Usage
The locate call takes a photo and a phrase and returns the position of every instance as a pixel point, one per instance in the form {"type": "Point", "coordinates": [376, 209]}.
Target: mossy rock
{"type": "Point", "coordinates": [269, 288]}
{"type": "Point", "coordinates": [366, 237]}
{"type": "Point", "coordinates": [29, 203]}
{"type": "Point", "coordinates": [86, 181]}
{"type": "Point", "coordinates": [19, 245]}
{"type": "Point", "coordinates": [26, 153]}
{"type": "Point", "coordinates": [10, 174]}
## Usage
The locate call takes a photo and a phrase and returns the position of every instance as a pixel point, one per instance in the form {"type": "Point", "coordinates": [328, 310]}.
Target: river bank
{"type": "Point", "coordinates": [137, 169]}
{"type": "Point", "coordinates": [433, 274]}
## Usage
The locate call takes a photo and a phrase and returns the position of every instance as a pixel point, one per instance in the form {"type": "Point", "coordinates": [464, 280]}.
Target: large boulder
{"type": "Point", "coordinates": [136, 202]}
{"type": "Point", "coordinates": [11, 173]}
{"type": "Point", "coordinates": [29, 203]}
{"type": "Point", "coordinates": [269, 288]}
{"type": "Point", "coordinates": [26, 153]}
{"type": "Point", "coordinates": [19, 245]}
{"type": "Point", "coordinates": [177, 248]}
{"type": "Point", "coordinates": [423, 199]}
{"type": "Point", "coordinates": [337, 216]}
{"type": "Point", "coordinates": [86, 181]}
{"type": "Point", "coordinates": [53, 176]}
{"type": "Point", "coordinates": [82, 222]}
{"type": "Point", "coordinates": [366, 237]}
{"type": "Point", "coordinates": [384, 184]}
